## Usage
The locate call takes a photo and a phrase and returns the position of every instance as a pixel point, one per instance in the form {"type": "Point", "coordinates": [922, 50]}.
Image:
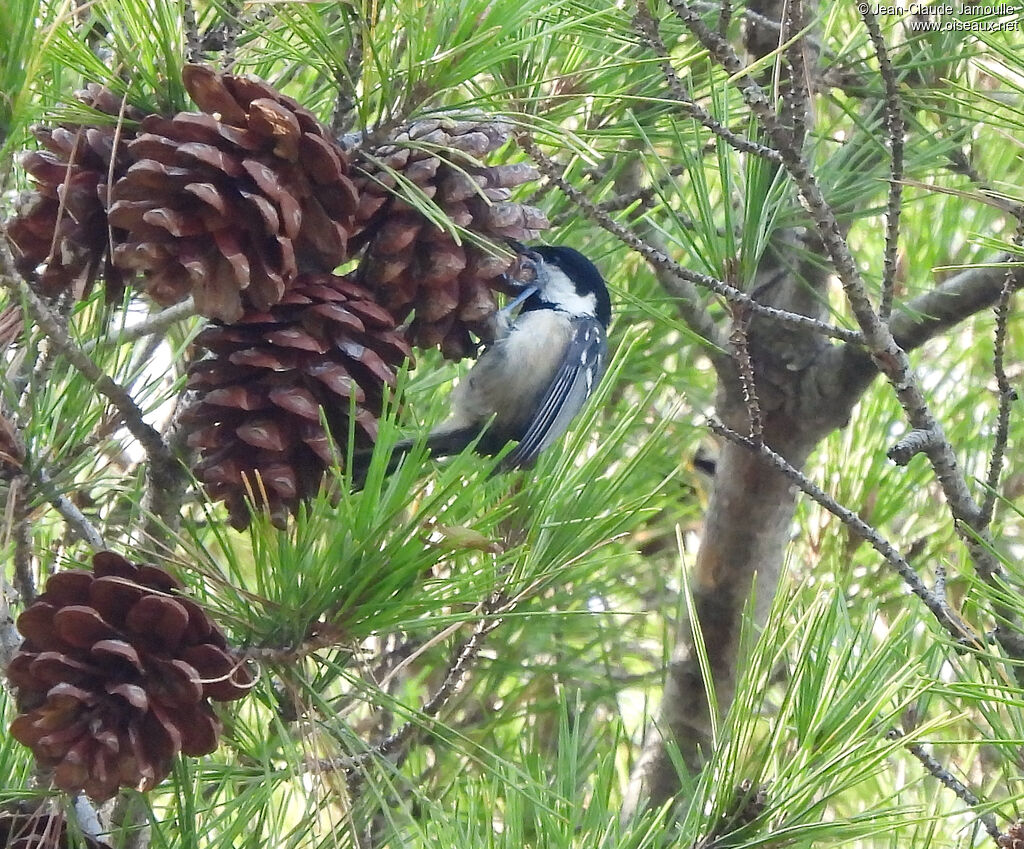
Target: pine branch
{"type": "Point", "coordinates": [886, 353]}
{"type": "Point", "coordinates": [647, 27]}
{"type": "Point", "coordinates": [463, 658]}
{"type": "Point", "coordinates": [936, 603]}
{"type": "Point", "coordinates": [894, 122]}
{"type": "Point", "coordinates": [950, 782]}
{"type": "Point", "coordinates": [1007, 395]}
{"type": "Point", "coordinates": [50, 324]}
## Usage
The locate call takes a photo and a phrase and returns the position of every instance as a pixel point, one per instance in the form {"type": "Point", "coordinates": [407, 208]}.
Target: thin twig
{"type": "Point", "coordinates": [457, 670]}
{"type": "Point", "coordinates": [741, 354]}
{"type": "Point", "coordinates": [724, 17]}
{"type": "Point", "coordinates": [131, 415]}
{"type": "Point", "coordinates": [798, 97]}
{"type": "Point", "coordinates": [950, 782]}
{"type": "Point", "coordinates": [16, 516]}
{"type": "Point", "coordinates": [75, 518]}
{"type": "Point", "coordinates": [1007, 395]}
{"type": "Point", "coordinates": [87, 817]}
{"type": "Point", "coordinates": [347, 79]}
{"type": "Point", "coordinates": [894, 122]}
{"type": "Point", "coordinates": [672, 269]}
{"type": "Point", "coordinates": [156, 323]}
{"type": "Point", "coordinates": [642, 197]}
{"type": "Point", "coordinates": [232, 27]}
{"type": "Point", "coordinates": [647, 27]}
{"type": "Point", "coordinates": [10, 639]}
{"type": "Point", "coordinates": [936, 603]}
{"type": "Point", "coordinates": [193, 41]}
{"type": "Point", "coordinates": [167, 481]}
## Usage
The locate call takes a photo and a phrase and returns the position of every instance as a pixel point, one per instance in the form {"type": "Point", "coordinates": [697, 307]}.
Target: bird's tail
{"type": "Point", "coordinates": [440, 443]}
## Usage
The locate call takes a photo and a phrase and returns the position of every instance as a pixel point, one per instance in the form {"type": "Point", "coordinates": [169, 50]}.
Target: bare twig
{"type": "Point", "coordinates": [74, 517]}
{"type": "Point", "coordinates": [642, 197]}
{"type": "Point", "coordinates": [724, 17]}
{"type": "Point", "coordinates": [232, 27]}
{"type": "Point", "coordinates": [647, 27]}
{"type": "Point", "coordinates": [936, 603]}
{"type": "Point", "coordinates": [894, 121]}
{"type": "Point", "coordinates": [1007, 395]}
{"type": "Point", "coordinates": [949, 781]}
{"type": "Point", "coordinates": [156, 323]}
{"type": "Point", "coordinates": [131, 415]}
{"type": "Point", "coordinates": [748, 15]}
{"type": "Point", "coordinates": [741, 353]}
{"type": "Point", "coordinates": [87, 817]}
{"type": "Point", "coordinates": [166, 484]}
{"type": "Point", "coordinates": [798, 96]}
{"type": "Point", "coordinates": [347, 79]}
{"type": "Point", "coordinates": [683, 277]}
{"type": "Point", "coordinates": [10, 639]}
{"type": "Point", "coordinates": [16, 519]}
{"type": "Point", "coordinates": [193, 41]}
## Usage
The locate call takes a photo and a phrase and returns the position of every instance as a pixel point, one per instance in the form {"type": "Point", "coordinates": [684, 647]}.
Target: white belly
{"type": "Point", "coordinates": [513, 373]}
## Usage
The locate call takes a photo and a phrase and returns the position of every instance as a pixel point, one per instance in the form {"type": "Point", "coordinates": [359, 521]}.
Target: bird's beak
{"type": "Point", "coordinates": [524, 295]}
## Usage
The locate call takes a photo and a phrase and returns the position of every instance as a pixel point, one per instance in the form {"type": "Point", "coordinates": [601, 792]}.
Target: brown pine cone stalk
{"type": "Point", "coordinates": [115, 677]}
{"type": "Point", "coordinates": [257, 422]}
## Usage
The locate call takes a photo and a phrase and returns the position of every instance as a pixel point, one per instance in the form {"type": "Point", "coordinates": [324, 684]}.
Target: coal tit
{"type": "Point", "coordinates": [544, 363]}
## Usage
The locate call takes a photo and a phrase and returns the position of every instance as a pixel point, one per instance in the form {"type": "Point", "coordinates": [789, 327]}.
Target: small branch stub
{"type": "Point", "coordinates": [915, 442]}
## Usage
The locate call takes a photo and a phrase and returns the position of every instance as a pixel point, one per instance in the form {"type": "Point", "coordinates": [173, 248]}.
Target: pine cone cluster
{"type": "Point", "coordinates": [228, 203]}
{"type": "Point", "coordinates": [411, 262]}
{"type": "Point", "coordinates": [39, 830]}
{"type": "Point", "coordinates": [115, 677]}
{"type": "Point", "coordinates": [248, 205]}
{"type": "Point", "coordinates": [326, 345]}
{"type": "Point", "coordinates": [60, 235]}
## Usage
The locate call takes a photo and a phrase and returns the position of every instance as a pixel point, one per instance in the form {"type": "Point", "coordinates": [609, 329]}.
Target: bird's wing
{"type": "Point", "coordinates": [575, 379]}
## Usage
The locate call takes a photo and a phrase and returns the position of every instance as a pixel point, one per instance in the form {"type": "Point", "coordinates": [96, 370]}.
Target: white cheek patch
{"type": "Point", "coordinates": [556, 288]}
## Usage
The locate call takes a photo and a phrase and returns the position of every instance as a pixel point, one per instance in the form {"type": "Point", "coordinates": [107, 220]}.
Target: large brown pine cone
{"type": "Point", "coordinates": [414, 264]}
{"type": "Point", "coordinates": [59, 236]}
{"type": "Point", "coordinates": [325, 346]}
{"type": "Point", "coordinates": [231, 204]}
{"type": "Point", "coordinates": [40, 830]}
{"type": "Point", "coordinates": [115, 677]}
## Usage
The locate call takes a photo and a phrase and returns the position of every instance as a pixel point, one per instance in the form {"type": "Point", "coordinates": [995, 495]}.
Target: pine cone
{"type": "Point", "coordinates": [1014, 837]}
{"type": "Point", "coordinates": [414, 264]}
{"type": "Point", "coordinates": [62, 225]}
{"type": "Point", "coordinates": [39, 830]}
{"type": "Point", "coordinates": [230, 204]}
{"type": "Point", "coordinates": [115, 676]}
{"type": "Point", "coordinates": [258, 420]}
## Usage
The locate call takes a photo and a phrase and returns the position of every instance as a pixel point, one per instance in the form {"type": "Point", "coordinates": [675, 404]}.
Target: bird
{"type": "Point", "coordinates": [544, 363]}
